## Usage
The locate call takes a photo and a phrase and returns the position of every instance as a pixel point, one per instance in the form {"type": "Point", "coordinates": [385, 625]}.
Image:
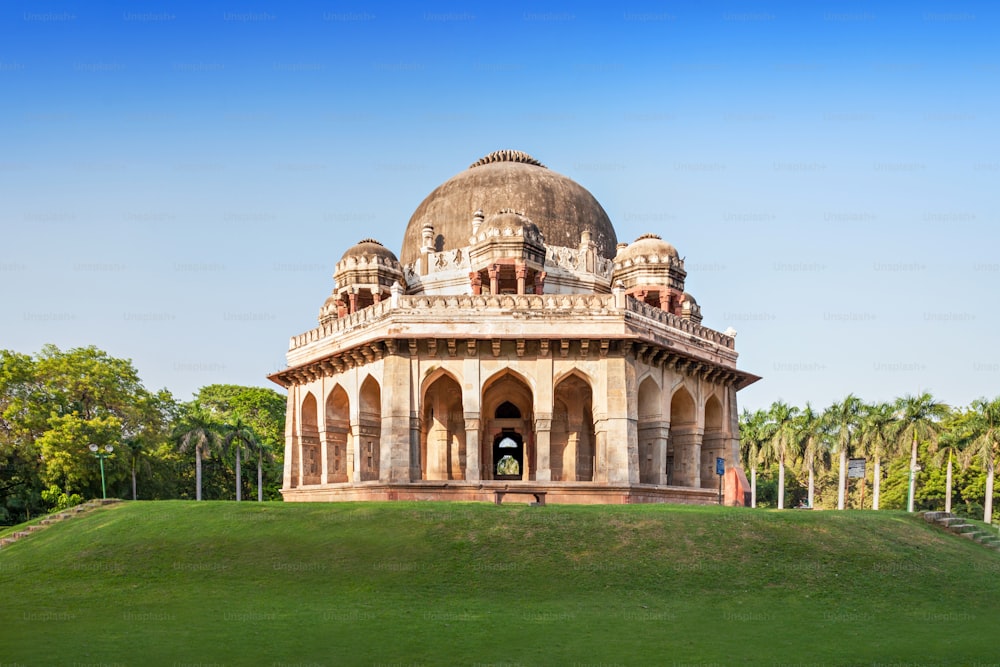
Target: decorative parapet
{"type": "Point", "coordinates": [575, 260]}
{"type": "Point", "coordinates": [651, 312]}
{"type": "Point", "coordinates": [537, 304]}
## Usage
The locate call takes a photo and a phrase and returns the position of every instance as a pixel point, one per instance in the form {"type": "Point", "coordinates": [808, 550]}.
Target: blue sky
{"type": "Point", "coordinates": [177, 181]}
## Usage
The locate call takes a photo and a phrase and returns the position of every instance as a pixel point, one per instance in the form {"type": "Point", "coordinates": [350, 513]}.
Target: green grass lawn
{"type": "Point", "coordinates": [182, 583]}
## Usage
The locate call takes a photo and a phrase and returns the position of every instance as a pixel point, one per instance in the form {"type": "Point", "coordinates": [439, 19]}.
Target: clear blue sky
{"type": "Point", "coordinates": [177, 182]}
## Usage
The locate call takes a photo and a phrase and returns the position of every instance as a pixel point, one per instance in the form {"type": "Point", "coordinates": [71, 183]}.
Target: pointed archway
{"type": "Point", "coordinates": [684, 442]}
{"type": "Point", "coordinates": [572, 442]}
{"type": "Point", "coordinates": [713, 443]}
{"type": "Point", "coordinates": [507, 401]}
{"type": "Point", "coordinates": [442, 433]}
{"type": "Point", "coordinates": [370, 428]}
{"type": "Point", "coordinates": [309, 441]}
{"type": "Point", "coordinates": [652, 433]}
{"type": "Point", "coordinates": [337, 436]}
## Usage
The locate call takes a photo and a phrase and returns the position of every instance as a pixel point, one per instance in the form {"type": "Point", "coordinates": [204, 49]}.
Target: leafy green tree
{"type": "Point", "coordinates": [957, 432]}
{"type": "Point", "coordinates": [239, 437]}
{"type": "Point", "coordinates": [985, 446]}
{"type": "Point", "coordinates": [918, 419]}
{"type": "Point", "coordinates": [813, 445]}
{"type": "Point", "coordinates": [843, 419]}
{"type": "Point", "coordinates": [783, 441]}
{"type": "Point", "coordinates": [875, 433]}
{"type": "Point", "coordinates": [200, 432]}
{"type": "Point", "coordinates": [260, 410]}
{"type": "Point", "coordinates": [755, 430]}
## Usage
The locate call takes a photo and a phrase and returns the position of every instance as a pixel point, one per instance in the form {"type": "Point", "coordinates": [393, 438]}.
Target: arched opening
{"type": "Point", "coordinates": [652, 431]}
{"type": "Point", "coordinates": [713, 443]}
{"type": "Point", "coordinates": [572, 437]}
{"type": "Point", "coordinates": [337, 435]}
{"type": "Point", "coordinates": [442, 436]}
{"type": "Point", "coordinates": [309, 441]}
{"type": "Point", "coordinates": [684, 441]}
{"type": "Point", "coordinates": [370, 428]}
{"type": "Point", "coordinates": [506, 406]}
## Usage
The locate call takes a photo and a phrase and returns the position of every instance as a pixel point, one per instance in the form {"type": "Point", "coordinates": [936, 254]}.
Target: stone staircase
{"type": "Point", "coordinates": [959, 526]}
{"type": "Point", "coordinates": [55, 518]}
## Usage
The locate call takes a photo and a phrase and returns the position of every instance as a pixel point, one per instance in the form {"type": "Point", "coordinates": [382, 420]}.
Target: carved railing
{"type": "Point", "coordinates": [669, 319]}
{"type": "Point", "coordinates": [445, 305]}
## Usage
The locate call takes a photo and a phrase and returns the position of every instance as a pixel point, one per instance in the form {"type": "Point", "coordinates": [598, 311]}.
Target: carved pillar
{"type": "Point", "coordinates": [494, 272]}
{"type": "Point", "coordinates": [476, 281]}
{"type": "Point", "coordinates": [543, 439]}
{"type": "Point", "coordinates": [472, 463]}
{"type": "Point", "coordinates": [290, 477]}
{"type": "Point", "coordinates": [540, 282]}
{"type": "Point", "coordinates": [653, 452]}
{"type": "Point", "coordinates": [522, 273]}
{"type": "Point", "coordinates": [687, 456]}
{"type": "Point", "coordinates": [353, 296]}
{"type": "Point", "coordinates": [713, 446]}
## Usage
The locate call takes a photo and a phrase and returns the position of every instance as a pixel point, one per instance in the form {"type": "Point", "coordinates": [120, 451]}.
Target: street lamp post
{"type": "Point", "coordinates": [108, 449]}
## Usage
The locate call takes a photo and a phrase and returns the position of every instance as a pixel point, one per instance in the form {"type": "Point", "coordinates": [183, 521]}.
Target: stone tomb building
{"type": "Point", "coordinates": [512, 343]}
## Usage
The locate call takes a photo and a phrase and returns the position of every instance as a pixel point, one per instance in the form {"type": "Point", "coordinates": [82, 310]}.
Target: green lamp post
{"type": "Point", "coordinates": [108, 450]}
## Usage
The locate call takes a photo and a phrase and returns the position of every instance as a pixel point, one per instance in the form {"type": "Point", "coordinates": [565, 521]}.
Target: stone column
{"type": "Point", "coordinates": [620, 428]}
{"type": "Point", "coordinates": [324, 444]}
{"type": "Point", "coordinates": [494, 272]}
{"type": "Point", "coordinates": [288, 477]}
{"type": "Point", "coordinates": [394, 464]}
{"type": "Point", "coordinates": [543, 432]}
{"type": "Point", "coordinates": [522, 274]}
{"type": "Point", "coordinates": [713, 445]}
{"type": "Point", "coordinates": [357, 445]}
{"type": "Point", "coordinates": [687, 456]}
{"type": "Point", "coordinates": [472, 464]}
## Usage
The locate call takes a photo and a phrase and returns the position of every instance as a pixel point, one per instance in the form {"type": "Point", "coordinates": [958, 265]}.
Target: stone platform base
{"type": "Point", "coordinates": [573, 493]}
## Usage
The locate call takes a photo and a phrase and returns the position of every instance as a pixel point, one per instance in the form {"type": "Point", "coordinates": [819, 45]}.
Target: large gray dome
{"type": "Point", "coordinates": [509, 180]}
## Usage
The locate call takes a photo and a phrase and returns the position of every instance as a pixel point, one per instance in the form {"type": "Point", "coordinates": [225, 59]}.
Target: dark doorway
{"type": "Point", "coordinates": [508, 455]}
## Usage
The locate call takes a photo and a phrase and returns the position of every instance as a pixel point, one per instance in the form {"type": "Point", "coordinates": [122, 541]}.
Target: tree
{"type": "Point", "coordinates": [957, 431]}
{"type": "Point", "coordinates": [985, 445]}
{"type": "Point", "coordinates": [918, 418]}
{"type": "Point", "coordinates": [843, 419]}
{"type": "Point", "coordinates": [781, 443]}
{"type": "Point", "coordinates": [812, 444]}
{"type": "Point", "coordinates": [239, 437]}
{"type": "Point", "coordinates": [200, 432]}
{"type": "Point", "coordinates": [878, 422]}
{"type": "Point", "coordinates": [755, 429]}
{"type": "Point", "coordinates": [261, 410]}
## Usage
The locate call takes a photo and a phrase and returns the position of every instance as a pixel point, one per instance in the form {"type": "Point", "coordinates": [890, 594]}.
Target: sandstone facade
{"type": "Point", "coordinates": [510, 349]}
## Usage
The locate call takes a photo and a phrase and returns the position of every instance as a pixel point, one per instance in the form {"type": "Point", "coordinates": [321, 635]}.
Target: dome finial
{"type": "Point", "coordinates": [507, 155]}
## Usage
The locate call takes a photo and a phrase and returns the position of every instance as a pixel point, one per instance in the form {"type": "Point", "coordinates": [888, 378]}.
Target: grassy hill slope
{"type": "Point", "coordinates": [177, 583]}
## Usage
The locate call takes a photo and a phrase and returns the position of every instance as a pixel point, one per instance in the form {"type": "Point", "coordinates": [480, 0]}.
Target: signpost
{"type": "Point", "coordinates": [720, 470]}
{"type": "Point", "coordinates": [856, 470]}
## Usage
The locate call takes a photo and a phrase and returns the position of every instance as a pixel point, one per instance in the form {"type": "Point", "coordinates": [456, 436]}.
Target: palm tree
{"type": "Point", "coordinates": [842, 419]}
{"type": "Point", "coordinates": [918, 419]}
{"type": "Point", "coordinates": [754, 431]}
{"type": "Point", "coordinates": [240, 436]}
{"type": "Point", "coordinates": [878, 422]}
{"type": "Point", "coordinates": [985, 445]}
{"type": "Point", "coordinates": [812, 444]}
{"type": "Point", "coordinates": [956, 433]}
{"type": "Point", "coordinates": [137, 451]}
{"type": "Point", "coordinates": [781, 443]}
{"type": "Point", "coordinates": [200, 431]}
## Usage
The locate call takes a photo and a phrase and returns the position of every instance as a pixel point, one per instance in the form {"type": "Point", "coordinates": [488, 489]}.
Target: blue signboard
{"type": "Point", "coordinates": [720, 466]}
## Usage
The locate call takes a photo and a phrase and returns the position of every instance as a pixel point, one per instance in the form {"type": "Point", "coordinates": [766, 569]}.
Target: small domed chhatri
{"type": "Point", "coordinates": [514, 350]}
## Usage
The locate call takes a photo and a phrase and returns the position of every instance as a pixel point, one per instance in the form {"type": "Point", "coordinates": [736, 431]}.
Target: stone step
{"type": "Point", "coordinates": [936, 516]}
{"type": "Point", "coordinates": [962, 528]}
{"type": "Point", "coordinates": [949, 521]}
